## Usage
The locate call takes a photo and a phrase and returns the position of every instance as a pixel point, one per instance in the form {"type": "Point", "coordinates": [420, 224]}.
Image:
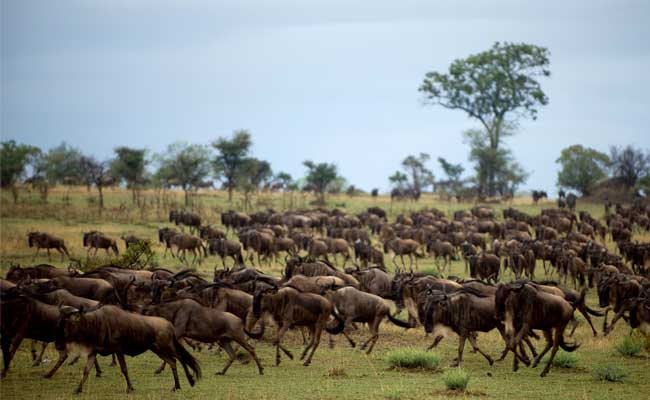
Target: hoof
{"type": "Point", "coordinates": [306, 363]}
{"type": "Point", "coordinates": [261, 371]}
{"type": "Point", "coordinates": [220, 373]}
{"type": "Point", "coordinates": [47, 376]}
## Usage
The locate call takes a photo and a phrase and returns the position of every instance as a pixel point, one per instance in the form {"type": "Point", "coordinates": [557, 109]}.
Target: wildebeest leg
{"type": "Point", "coordinates": [461, 347]}
{"type": "Point", "coordinates": [605, 318]}
{"type": "Point", "coordinates": [472, 341]}
{"type": "Point", "coordinates": [161, 368]}
{"type": "Point", "coordinates": [6, 358]}
{"type": "Point", "coordinates": [312, 340]}
{"type": "Point", "coordinates": [89, 364]}
{"type": "Point", "coordinates": [49, 256]}
{"type": "Point", "coordinates": [283, 329]}
{"type": "Point", "coordinates": [113, 360]}
{"type": "Point", "coordinates": [374, 331]}
{"type": "Point", "coordinates": [317, 332]}
{"type": "Point", "coordinates": [574, 325]}
{"type": "Point", "coordinates": [225, 344]}
{"type": "Point", "coordinates": [435, 342]}
{"type": "Point", "coordinates": [556, 343]}
{"type": "Point", "coordinates": [548, 335]}
{"type": "Point", "coordinates": [172, 365]}
{"type": "Point", "coordinates": [62, 357]}
{"type": "Point", "coordinates": [251, 350]}
{"type": "Point", "coordinates": [36, 254]}
{"type": "Point", "coordinates": [33, 351]}
{"type": "Point", "coordinates": [125, 372]}
{"type": "Point", "coordinates": [38, 360]}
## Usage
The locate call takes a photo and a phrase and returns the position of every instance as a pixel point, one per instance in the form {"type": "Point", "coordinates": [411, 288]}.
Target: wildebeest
{"type": "Point", "coordinates": [164, 234]}
{"type": "Point", "coordinates": [111, 330]}
{"type": "Point", "coordinates": [523, 308]}
{"type": "Point", "coordinates": [366, 253]}
{"type": "Point", "coordinates": [97, 240]}
{"type": "Point", "coordinates": [181, 217]}
{"type": "Point", "coordinates": [298, 265]}
{"type": "Point", "coordinates": [465, 311]}
{"type": "Point", "coordinates": [356, 306]}
{"type": "Point", "coordinates": [638, 309]}
{"type": "Point", "coordinates": [184, 242]}
{"type": "Point", "coordinates": [130, 240]}
{"type": "Point", "coordinates": [90, 288]}
{"type": "Point", "coordinates": [46, 241]}
{"type": "Point", "coordinates": [42, 271]}
{"type": "Point", "coordinates": [289, 307]}
{"type": "Point", "coordinates": [400, 247]}
{"type": "Point", "coordinates": [193, 321]}
{"type": "Point", "coordinates": [538, 195]}
{"type": "Point", "coordinates": [484, 266]}
{"type": "Point", "coordinates": [374, 280]}
{"type": "Point", "coordinates": [226, 248]}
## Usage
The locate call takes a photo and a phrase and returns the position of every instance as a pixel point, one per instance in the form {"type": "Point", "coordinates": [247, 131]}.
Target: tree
{"type": "Point", "coordinates": [643, 185]}
{"type": "Point", "coordinates": [232, 156]}
{"type": "Point", "coordinates": [319, 177]}
{"type": "Point", "coordinates": [398, 179]}
{"type": "Point", "coordinates": [252, 175]}
{"type": "Point", "coordinates": [453, 172]}
{"type": "Point", "coordinates": [421, 176]}
{"type": "Point", "coordinates": [184, 164]}
{"type": "Point", "coordinates": [61, 164]}
{"type": "Point", "coordinates": [283, 181]}
{"type": "Point", "coordinates": [629, 164]}
{"type": "Point", "coordinates": [14, 159]}
{"type": "Point", "coordinates": [495, 87]}
{"type": "Point", "coordinates": [129, 165]}
{"type": "Point", "coordinates": [581, 167]}
{"type": "Point", "coordinates": [98, 174]}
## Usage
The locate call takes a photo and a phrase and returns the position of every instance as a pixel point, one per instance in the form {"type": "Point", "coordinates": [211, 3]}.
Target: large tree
{"type": "Point", "coordinates": [453, 184]}
{"type": "Point", "coordinates": [319, 177]}
{"type": "Point", "coordinates": [581, 167]}
{"type": "Point", "coordinates": [398, 180]}
{"type": "Point", "coordinates": [252, 176]}
{"type": "Point", "coordinates": [61, 164]}
{"type": "Point", "coordinates": [231, 158]}
{"type": "Point", "coordinates": [97, 173]}
{"type": "Point", "coordinates": [14, 159]}
{"type": "Point", "coordinates": [415, 166]}
{"type": "Point", "coordinates": [186, 165]}
{"type": "Point", "coordinates": [629, 164]}
{"type": "Point", "coordinates": [130, 165]}
{"type": "Point", "coordinates": [496, 87]}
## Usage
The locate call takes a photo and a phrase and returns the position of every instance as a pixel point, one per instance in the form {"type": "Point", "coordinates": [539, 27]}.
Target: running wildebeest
{"type": "Point", "coordinates": [46, 241]}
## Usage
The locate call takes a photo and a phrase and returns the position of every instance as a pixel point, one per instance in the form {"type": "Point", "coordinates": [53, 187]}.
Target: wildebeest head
{"type": "Point", "coordinates": [437, 302]}
{"type": "Point", "coordinates": [260, 297]}
{"type": "Point", "coordinates": [67, 315]}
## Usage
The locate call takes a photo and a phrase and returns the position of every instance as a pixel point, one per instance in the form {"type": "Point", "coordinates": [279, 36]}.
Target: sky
{"type": "Point", "coordinates": [325, 80]}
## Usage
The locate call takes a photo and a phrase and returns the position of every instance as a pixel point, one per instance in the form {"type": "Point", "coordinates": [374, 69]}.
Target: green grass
{"type": "Point", "coordinates": [609, 373]}
{"type": "Point", "coordinates": [364, 376]}
{"type": "Point", "coordinates": [412, 358]}
{"type": "Point", "coordinates": [456, 379]}
{"type": "Point", "coordinates": [563, 360]}
{"type": "Point", "coordinates": [628, 347]}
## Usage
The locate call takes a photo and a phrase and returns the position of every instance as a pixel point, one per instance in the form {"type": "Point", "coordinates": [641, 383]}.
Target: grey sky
{"type": "Point", "coordinates": [324, 80]}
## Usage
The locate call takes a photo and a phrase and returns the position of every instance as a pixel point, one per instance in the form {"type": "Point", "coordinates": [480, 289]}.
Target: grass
{"type": "Point", "coordinates": [563, 360]}
{"type": "Point", "coordinates": [412, 358]}
{"type": "Point", "coordinates": [366, 376]}
{"type": "Point", "coordinates": [628, 347]}
{"type": "Point", "coordinates": [609, 373]}
{"type": "Point", "coordinates": [456, 379]}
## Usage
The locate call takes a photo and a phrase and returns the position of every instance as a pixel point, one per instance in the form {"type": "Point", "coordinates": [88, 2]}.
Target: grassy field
{"type": "Point", "coordinates": [338, 373]}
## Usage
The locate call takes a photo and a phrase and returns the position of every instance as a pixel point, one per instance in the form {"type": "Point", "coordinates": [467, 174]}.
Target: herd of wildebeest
{"type": "Point", "coordinates": [115, 311]}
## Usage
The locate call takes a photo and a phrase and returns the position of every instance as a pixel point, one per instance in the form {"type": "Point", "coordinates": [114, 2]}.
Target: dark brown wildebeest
{"type": "Point", "coordinates": [317, 248]}
{"type": "Point", "coordinates": [400, 247]}
{"type": "Point", "coordinates": [180, 217]}
{"type": "Point", "coordinates": [221, 296]}
{"type": "Point", "coordinates": [208, 232]}
{"type": "Point", "coordinates": [284, 244]}
{"type": "Point", "coordinates": [538, 195]}
{"type": "Point", "coordinates": [485, 266]}
{"type": "Point", "coordinates": [111, 330]}
{"type": "Point", "coordinates": [465, 311]}
{"type": "Point", "coordinates": [314, 284]}
{"type": "Point", "coordinates": [206, 325]}
{"type": "Point", "coordinates": [615, 290]}
{"type": "Point", "coordinates": [234, 220]}
{"type": "Point", "coordinates": [378, 212]}
{"type": "Point", "coordinates": [130, 240]}
{"type": "Point", "coordinates": [90, 288]}
{"type": "Point", "coordinates": [97, 240]}
{"type": "Point", "coordinates": [354, 305]}
{"type": "Point", "coordinates": [298, 265]}
{"type": "Point", "coordinates": [374, 280]}
{"type": "Point", "coordinates": [571, 201]}
{"type": "Point", "coordinates": [443, 249]}
{"type": "Point", "coordinates": [523, 308]}
{"type": "Point", "coordinates": [639, 313]}
{"type": "Point", "coordinates": [409, 290]}
{"type": "Point", "coordinates": [366, 253]}
{"type": "Point", "coordinates": [338, 246]}
{"type": "Point", "coordinates": [184, 242]}
{"type": "Point", "coordinates": [46, 241]}
{"type": "Point", "coordinates": [42, 271]}
{"type": "Point", "coordinates": [289, 307]}
{"type": "Point", "coordinates": [164, 234]}
{"type": "Point", "coordinates": [226, 248]}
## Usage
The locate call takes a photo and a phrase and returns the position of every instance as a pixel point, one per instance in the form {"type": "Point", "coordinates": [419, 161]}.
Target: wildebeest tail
{"type": "Point", "coordinates": [258, 335]}
{"type": "Point", "coordinates": [187, 360]}
{"type": "Point", "coordinates": [400, 323]}
{"type": "Point", "coordinates": [581, 302]}
{"type": "Point", "coordinates": [566, 346]}
{"type": "Point", "coordinates": [339, 327]}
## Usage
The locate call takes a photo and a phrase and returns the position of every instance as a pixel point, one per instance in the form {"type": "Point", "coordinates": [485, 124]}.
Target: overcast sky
{"type": "Point", "coordinates": [325, 80]}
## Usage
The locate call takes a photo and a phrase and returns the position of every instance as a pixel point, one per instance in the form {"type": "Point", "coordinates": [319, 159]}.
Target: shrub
{"type": "Point", "coordinates": [563, 360]}
{"type": "Point", "coordinates": [412, 359]}
{"type": "Point", "coordinates": [609, 372]}
{"type": "Point", "coordinates": [628, 347]}
{"type": "Point", "coordinates": [456, 379]}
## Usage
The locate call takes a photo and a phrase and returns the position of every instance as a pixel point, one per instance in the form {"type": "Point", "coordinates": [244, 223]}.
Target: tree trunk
{"type": "Point", "coordinates": [133, 194]}
{"type": "Point", "coordinates": [101, 196]}
{"type": "Point", "coordinates": [14, 193]}
{"type": "Point", "coordinates": [229, 193]}
{"type": "Point", "coordinates": [187, 198]}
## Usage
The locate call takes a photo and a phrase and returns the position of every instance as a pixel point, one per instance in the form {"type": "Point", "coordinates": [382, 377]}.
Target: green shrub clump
{"type": "Point", "coordinates": [609, 372]}
{"type": "Point", "coordinates": [413, 359]}
{"type": "Point", "coordinates": [456, 379]}
{"type": "Point", "coordinates": [628, 347]}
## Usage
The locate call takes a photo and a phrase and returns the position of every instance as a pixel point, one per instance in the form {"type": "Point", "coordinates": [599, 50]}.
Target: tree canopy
{"type": "Point", "coordinates": [581, 167]}
{"type": "Point", "coordinates": [183, 164]}
{"type": "Point", "coordinates": [130, 165]}
{"type": "Point", "coordinates": [496, 87]}
{"type": "Point", "coordinates": [319, 176]}
{"type": "Point", "coordinates": [14, 159]}
{"type": "Point", "coordinates": [232, 154]}
{"type": "Point", "coordinates": [629, 164]}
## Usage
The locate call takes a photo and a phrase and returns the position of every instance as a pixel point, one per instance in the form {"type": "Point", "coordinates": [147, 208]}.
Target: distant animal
{"type": "Point", "coordinates": [46, 241]}
{"type": "Point", "coordinates": [538, 195]}
{"type": "Point", "coordinates": [97, 240]}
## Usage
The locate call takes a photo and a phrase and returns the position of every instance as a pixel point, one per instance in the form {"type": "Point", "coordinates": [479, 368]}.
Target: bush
{"type": "Point", "coordinates": [412, 359]}
{"type": "Point", "coordinates": [628, 347]}
{"type": "Point", "coordinates": [456, 379]}
{"type": "Point", "coordinates": [609, 372]}
{"type": "Point", "coordinates": [563, 360]}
